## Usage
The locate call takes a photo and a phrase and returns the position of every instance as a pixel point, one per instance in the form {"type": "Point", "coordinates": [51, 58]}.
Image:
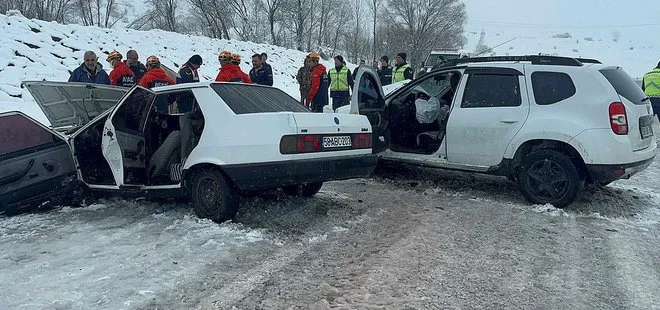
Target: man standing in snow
{"type": "Point", "coordinates": [188, 72]}
{"type": "Point", "coordinates": [155, 76]}
{"type": "Point", "coordinates": [267, 68]}
{"type": "Point", "coordinates": [385, 72]}
{"type": "Point", "coordinates": [651, 87]}
{"type": "Point", "coordinates": [259, 74]}
{"type": "Point", "coordinates": [229, 71]}
{"type": "Point", "coordinates": [133, 63]}
{"type": "Point", "coordinates": [120, 75]}
{"type": "Point", "coordinates": [303, 78]}
{"type": "Point", "coordinates": [318, 93]}
{"type": "Point", "coordinates": [90, 71]}
{"type": "Point", "coordinates": [341, 81]}
{"type": "Point", "coordinates": [402, 71]}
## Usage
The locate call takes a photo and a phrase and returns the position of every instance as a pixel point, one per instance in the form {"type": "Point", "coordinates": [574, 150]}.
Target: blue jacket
{"type": "Point", "coordinates": [82, 75]}
{"type": "Point", "coordinates": [263, 76]}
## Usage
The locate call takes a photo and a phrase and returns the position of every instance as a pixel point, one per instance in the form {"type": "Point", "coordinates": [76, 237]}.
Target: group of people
{"type": "Point", "coordinates": [315, 81]}
{"type": "Point", "coordinates": [131, 71]}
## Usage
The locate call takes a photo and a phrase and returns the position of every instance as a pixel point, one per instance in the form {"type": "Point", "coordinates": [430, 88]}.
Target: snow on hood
{"type": "Point", "coordinates": [33, 50]}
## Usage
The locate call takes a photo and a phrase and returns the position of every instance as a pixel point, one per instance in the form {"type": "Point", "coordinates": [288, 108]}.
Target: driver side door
{"type": "Point", "coordinates": [124, 139]}
{"type": "Point", "coordinates": [368, 99]}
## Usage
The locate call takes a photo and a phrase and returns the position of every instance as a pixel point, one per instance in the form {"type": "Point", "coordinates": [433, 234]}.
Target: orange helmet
{"type": "Point", "coordinates": [224, 56]}
{"type": "Point", "coordinates": [114, 55]}
{"type": "Point", "coordinates": [153, 61]}
{"type": "Point", "coordinates": [236, 58]}
{"type": "Point", "coordinates": [314, 56]}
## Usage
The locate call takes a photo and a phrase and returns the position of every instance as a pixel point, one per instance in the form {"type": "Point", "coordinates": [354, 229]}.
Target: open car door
{"type": "Point", "coordinates": [368, 99]}
{"type": "Point", "coordinates": [69, 105]}
{"type": "Point", "coordinates": [34, 162]}
{"type": "Point", "coordinates": [123, 139]}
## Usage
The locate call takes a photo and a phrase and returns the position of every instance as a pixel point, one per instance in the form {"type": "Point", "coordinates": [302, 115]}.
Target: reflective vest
{"type": "Point", "coordinates": [397, 73]}
{"type": "Point", "coordinates": [338, 80]}
{"type": "Point", "coordinates": [652, 83]}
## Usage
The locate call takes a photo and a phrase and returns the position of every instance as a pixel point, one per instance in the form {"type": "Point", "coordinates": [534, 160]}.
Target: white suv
{"type": "Point", "coordinates": [551, 124]}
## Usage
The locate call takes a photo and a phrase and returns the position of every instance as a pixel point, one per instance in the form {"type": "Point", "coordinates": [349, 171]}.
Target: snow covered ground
{"type": "Point", "coordinates": [38, 50]}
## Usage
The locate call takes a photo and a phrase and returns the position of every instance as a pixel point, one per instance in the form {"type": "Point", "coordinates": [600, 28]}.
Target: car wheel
{"type": "Point", "coordinates": [305, 190]}
{"type": "Point", "coordinates": [547, 176]}
{"type": "Point", "coordinates": [213, 196]}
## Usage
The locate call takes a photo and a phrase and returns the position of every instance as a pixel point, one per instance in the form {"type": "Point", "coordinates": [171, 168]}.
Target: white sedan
{"type": "Point", "coordinates": [206, 141]}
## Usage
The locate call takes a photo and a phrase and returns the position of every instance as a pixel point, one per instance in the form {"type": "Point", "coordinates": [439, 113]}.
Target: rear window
{"type": "Point", "coordinates": [552, 87]}
{"type": "Point", "coordinates": [246, 99]}
{"type": "Point", "coordinates": [624, 85]}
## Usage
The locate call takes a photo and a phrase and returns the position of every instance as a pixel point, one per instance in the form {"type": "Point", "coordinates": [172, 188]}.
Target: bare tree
{"type": "Point", "coordinates": [49, 10]}
{"type": "Point", "coordinates": [375, 7]}
{"type": "Point", "coordinates": [214, 17]}
{"type": "Point", "coordinates": [298, 13]}
{"type": "Point", "coordinates": [272, 11]}
{"type": "Point", "coordinates": [101, 13]}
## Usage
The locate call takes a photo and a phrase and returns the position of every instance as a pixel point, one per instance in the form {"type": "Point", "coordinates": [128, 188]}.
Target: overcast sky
{"type": "Point", "coordinates": [552, 13]}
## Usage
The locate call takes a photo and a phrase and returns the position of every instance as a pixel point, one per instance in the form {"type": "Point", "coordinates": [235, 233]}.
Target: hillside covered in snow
{"type": "Point", "coordinates": [38, 50]}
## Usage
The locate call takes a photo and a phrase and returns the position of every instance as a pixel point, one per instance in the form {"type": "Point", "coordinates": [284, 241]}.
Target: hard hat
{"type": "Point", "coordinates": [153, 61]}
{"type": "Point", "coordinates": [314, 56]}
{"type": "Point", "coordinates": [224, 55]}
{"type": "Point", "coordinates": [114, 55]}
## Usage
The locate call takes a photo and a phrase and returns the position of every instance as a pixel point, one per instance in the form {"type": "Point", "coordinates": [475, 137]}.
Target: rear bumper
{"type": "Point", "coordinates": [277, 174]}
{"type": "Point", "coordinates": [604, 174]}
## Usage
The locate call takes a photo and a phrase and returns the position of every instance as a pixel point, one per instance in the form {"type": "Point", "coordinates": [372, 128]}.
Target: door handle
{"type": "Point", "coordinates": [508, 121]}
{"type": "Point", "coordinates": [18, 175]}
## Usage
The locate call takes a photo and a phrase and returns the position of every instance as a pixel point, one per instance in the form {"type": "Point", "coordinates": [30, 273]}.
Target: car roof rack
{"type": "Point", "coordinates": [588, 61]}
{"type": "Point", "coordinates": [534, 59]}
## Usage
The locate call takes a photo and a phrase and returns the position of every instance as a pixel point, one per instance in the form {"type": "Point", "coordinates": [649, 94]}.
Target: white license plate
{"type": "Point", "coordinates": [647, 131]}
{"type": "Point", "coordinates": [339, 141]}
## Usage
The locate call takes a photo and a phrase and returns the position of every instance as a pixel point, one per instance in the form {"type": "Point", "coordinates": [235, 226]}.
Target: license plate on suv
{"type": "Point", "coordinates": [646, 126]}
{"type": "Point", "coordinates": [337, 142]}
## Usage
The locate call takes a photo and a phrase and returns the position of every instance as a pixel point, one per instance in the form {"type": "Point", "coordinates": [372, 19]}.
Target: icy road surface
{"type": "Point", "coordinates": [409, 238]}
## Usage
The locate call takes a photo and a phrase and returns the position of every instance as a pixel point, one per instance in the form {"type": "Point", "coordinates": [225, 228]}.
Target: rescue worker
{"type": "Point", "coordinates": [188, 72]}
{"type": "Point", "coordinates": [303, 78]}
{"type": "Point", "coordinates": [133, 63]}
{"type": "Point", "coordinates": [385, 72]}
{"type": "Point", "coordinates": [259, 74]}
{"type": "Point", "coordinates": [90, 71]}
{"type": "Point", "coordinates": [651, 87]}
{"type": "Point", "coordinates": [229, 71]}
{"type": "Point", "coordinates": [155, 76]}
{"type": "Point", "coordinates": [341, 81]}
{"type": "Point", "coordinates": [236, 59]}
{"type": "Point", "coordinates": [120, 75]}
{"type": "Point", "coordinates": [402, 71]}
{"type": "Point", "coordinates": [318, 92]}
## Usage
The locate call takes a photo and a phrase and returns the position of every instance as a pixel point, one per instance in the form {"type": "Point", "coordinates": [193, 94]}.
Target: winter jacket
{"type": "Point", "coordinates": [318, 93]}
{"type": "Point", "coordinates": [402, 72]}
{"type": "Point", "coordinates": [81, 74]}
{"type": "Point", "coordinates": [303, 78]}
{"type": "Point", "coordinates": [232, 73]}
{"type": "Point", "coordinates": [121, 75]}
{"type": "Point", "coordinates": [187, 74]}
{"type": "Point", "coordinates": [262, 76]}
{"type": "Point", "coordinates": [385, 76]}
{"type": "Point", "coordinates": [138, 69]}
{"type": "Point", "coordinates": [155, 78]}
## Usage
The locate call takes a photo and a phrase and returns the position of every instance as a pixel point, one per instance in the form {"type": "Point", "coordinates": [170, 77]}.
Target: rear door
{"type": "Point", "coordinates": [492, 108]}
{"type": "Point", "coordinates": [34, 162]}
{"type": "Point", "coordinates": [124, 138]}
{"type": "Point", "coordinates": [368, 99]}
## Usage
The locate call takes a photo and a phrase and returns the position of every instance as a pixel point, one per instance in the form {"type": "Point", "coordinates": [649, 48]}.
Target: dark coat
{"type": "Point", "coordinates": [81, 74]}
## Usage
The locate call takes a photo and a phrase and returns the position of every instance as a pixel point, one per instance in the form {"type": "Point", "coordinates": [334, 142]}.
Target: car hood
{"type": "Point", "coordinates": [70, 105]}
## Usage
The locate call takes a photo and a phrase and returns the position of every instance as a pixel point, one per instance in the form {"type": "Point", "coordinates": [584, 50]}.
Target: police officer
{"type": "Point", "coordinates": [651, 87]}
{"type": "Point", "coordinates": [385, 71]}
{"type": "Point", "coordinates": [402, 70]}
{"type": "Point", "coordinates": [341, 81]}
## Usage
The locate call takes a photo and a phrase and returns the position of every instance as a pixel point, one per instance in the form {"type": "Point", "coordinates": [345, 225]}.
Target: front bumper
{"type": "Point", "coordinates": [604, 174]}
{"type": "Point", "coordinates": [256, 176]}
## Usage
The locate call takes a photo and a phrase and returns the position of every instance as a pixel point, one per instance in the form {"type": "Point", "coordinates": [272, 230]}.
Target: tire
{"type": "Point", "coordinates": [213, 196]}
{"type": "Point", "coordinates": [542, 167]}
{"type": "Point", "coordinates": [305, 190]}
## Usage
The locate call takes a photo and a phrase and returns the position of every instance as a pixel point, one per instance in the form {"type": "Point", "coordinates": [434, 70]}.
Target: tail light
{"type": "Point", "coordinates": [362, 141]}
{"type": "Point", "coordinates": [308, 144]}
{"type": "Point", "coordinates": [618, 118]}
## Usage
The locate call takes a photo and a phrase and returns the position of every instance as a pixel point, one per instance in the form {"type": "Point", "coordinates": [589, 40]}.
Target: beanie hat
{"type": "Point", "coordinates": [195, 59]}
{"type": "Point", "coordinates": [340, 58]}
{"type": "Point", "coordinates": [402, 55]}
{"type": "Point", "coordinates": [385, 59]}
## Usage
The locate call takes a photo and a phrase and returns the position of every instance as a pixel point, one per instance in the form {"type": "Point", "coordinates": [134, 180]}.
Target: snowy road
{"type": "Point", "coordinates": [409, 238]}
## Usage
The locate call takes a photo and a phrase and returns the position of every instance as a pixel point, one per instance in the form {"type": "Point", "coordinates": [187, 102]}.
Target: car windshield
{"type": "Point", "coordinates": [245, 99]}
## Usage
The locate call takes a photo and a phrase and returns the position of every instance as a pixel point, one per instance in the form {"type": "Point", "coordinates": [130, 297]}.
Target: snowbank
{"type": "Point", "coordinates": [38, 50]}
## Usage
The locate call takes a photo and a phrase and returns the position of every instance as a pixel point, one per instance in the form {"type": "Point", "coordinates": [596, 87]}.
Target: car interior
{"type": "Point", "coordinates": [407, 133]}
{"type": "Point", "coordinates": [155, 140]}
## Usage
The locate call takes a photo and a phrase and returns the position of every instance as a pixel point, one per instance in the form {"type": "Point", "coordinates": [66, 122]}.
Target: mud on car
{"type": "Point", "coordinates": [206, 141]}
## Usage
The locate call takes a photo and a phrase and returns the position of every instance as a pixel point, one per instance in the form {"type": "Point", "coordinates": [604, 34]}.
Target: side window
{"type": "Point", "coordinates": [368, 95]}
{"type": "Point", "coordinates": [175, 102]}
{"type": "Point", "coordinates": [133, 111]}
{"type": "Point", "coordinates": [18, 133]}
{"type": "Point", "coordinates": [491, 90]}
{"type": "Point", "coordinates": [552, 87]}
